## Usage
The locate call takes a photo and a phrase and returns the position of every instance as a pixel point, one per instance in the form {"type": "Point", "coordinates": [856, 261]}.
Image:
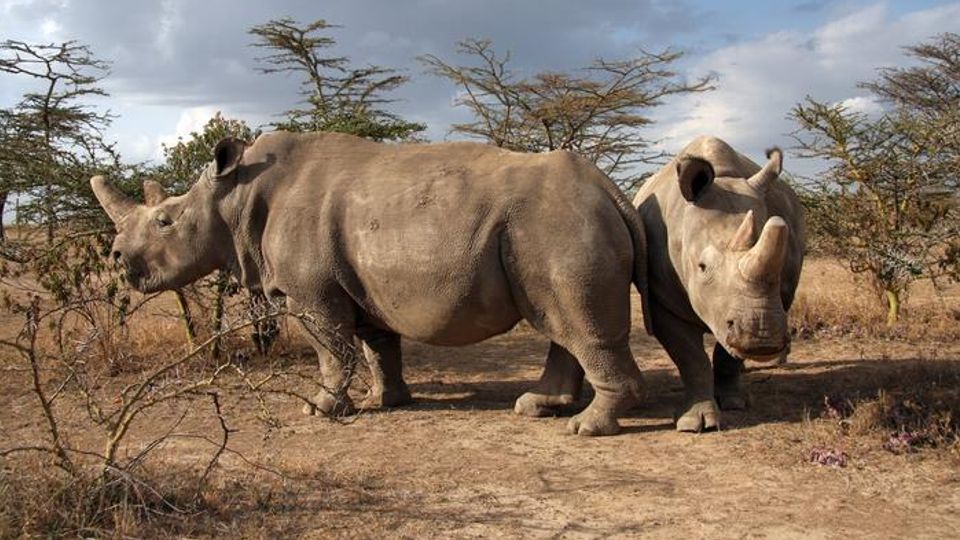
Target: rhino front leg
{"type": "Point", "coordinates": [726, 380]}
{"type": "Point", "coordinates": [331, 336]}
{"type": "Point", "coordinates": [684, 343]}
{"type": "Point", "coordinates": [560, 385]}
{"type": "Point", "coordinates": [382, 351]}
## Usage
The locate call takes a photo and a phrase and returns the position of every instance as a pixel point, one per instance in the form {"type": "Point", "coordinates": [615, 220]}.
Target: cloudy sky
{"type": "Point", "coordinates": [176, 62]}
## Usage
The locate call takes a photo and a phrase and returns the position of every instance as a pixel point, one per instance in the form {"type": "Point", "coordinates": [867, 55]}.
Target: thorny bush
{"type": "Point", "coordinates": [88, 351]}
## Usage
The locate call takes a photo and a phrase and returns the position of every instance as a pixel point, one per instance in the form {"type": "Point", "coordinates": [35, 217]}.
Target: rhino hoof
{"type": "Point", "coordinates": [540, 405]}
{"type": "Point", "coordinates": [701, 416]}
{"type": "Point", "coordinates": [733, 402]}
{"type": "Point", "coordinates": [592, 424]}
{"type": "Point", "coordinates": [393, 397]}
{"type": "Point", "coordinates": [325, 404]}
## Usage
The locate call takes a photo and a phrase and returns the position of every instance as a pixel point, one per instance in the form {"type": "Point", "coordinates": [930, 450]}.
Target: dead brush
{"type": "Point", "coordinates": [96, 363]}
{"type": "Point", "coordinates": [922, 411]}
{"type": "Point", "coordinates": [910, 410]}
{"type": "Point", "coordinates": [36, 500]}
{"type": "Point", "coordinates": [159, 500]}
{"type": "Point", "coordinates": [833, 302]}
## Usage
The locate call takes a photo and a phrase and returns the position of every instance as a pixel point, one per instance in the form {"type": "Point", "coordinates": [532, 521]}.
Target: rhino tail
{"type": "Point", "coordinates": [631, 217]}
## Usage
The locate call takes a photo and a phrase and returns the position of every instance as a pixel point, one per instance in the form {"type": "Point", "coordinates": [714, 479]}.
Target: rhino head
{"type": "Point", "coordinates": [169, 242]}
{"type": "Point", "coordinates": [733, 256]}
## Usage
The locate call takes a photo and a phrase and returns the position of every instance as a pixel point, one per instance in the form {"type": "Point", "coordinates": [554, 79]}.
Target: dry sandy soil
{"type": "Point", "coordinates": [459, 463]}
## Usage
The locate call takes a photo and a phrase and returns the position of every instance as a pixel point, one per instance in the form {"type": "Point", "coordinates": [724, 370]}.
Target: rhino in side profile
{"type": "Point", "coordinates": [447, 244]}
{"type": "Point", "coordinates": [725, 244]}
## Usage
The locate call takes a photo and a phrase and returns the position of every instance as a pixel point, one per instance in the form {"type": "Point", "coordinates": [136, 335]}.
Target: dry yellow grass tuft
{"type": "Point", "coordinates": [832, 301]}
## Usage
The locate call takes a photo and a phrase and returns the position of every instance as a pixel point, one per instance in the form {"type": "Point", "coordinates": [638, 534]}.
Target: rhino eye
{"type": "Point", "coordinates": [702, 267]}
{"type": "Point", "coordinates": [163, 221]}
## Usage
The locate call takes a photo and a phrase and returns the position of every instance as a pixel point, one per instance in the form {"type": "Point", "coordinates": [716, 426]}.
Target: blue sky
{"type": "Point", "coordinates": [176, 62]}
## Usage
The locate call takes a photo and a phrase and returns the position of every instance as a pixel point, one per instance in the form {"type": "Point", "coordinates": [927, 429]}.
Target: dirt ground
{"type": "Point", "coordinates": [459, 463]}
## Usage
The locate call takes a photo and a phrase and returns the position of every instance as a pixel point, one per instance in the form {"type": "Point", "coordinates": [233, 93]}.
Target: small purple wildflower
{"type": "Point", "coordinates": [829, 457]}
{"type": "Point", "coordinates": [902, 442]}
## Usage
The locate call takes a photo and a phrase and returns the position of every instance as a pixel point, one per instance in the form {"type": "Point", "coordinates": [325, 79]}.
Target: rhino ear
{"type": "Point", "coordinates": [762, 180]}
{"type": "Point", "coordinates": [693, 176]}
{"type": "Point", "coordinates": [153, 193]}
{"type": "Point", "coordinates": [227, 155]}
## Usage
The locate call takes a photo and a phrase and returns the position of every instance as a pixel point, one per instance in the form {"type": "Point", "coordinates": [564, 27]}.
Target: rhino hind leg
{"type": "Point", "coordinates": [726, 380]}
{"type": "Point", "coordinates": [615, 377]}
{"type": "Point", "coordinates": [332, 400]}
{"type": "Point", "coordinates": [383, 354]}
{"type": "Point", "coordinates": [684, 343]}
{"type": "Point", "coordinates": [559, 387]}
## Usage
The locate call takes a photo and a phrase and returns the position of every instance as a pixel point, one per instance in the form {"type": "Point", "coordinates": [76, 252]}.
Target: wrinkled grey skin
{"type": "Point", "coordinates": [725, 243]}
{"type": "Point", "coordinates": [446, 244]}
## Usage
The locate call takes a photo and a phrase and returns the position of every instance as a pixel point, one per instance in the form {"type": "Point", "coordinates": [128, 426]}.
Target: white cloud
{"type": "Point", "coordinates": [50, 28]}
{"type": "Point", "coordinates": [170, 19]}
{"type": "Point", "coordinates": [191, 119]}
{"type": "Point", "coordinates": [867, 105]}
{"type": "Point", "coordinates": [761, 80]}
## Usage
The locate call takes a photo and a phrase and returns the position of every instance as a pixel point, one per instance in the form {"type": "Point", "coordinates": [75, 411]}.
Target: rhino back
{"type": "Point", "coordinates": [415, 233]}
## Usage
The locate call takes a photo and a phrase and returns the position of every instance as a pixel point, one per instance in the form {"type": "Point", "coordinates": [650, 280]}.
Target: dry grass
{"type": "Point", "coordinates": [832, 301]}
{"type": "Point", "coordinates": [162, 501]}
{"type": "Point", "coordinates": [901, 411]}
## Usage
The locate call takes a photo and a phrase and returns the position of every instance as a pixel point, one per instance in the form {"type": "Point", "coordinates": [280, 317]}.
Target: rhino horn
{"type": "Point", "coordinates": [153, 193]}
{"type": "Point", "coordinates": [115, 203]}
{"type": "Point", "coordinates": [743, 238]}
{"type": "Point", "coordinates": [764, 261]}
{"type": "Point", "coordinates": [769, 172]}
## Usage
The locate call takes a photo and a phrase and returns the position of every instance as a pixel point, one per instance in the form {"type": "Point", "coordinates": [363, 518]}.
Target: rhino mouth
{"type": "Point", "coordinates": [142, 280]}
{"type": "Point", "coordinates": [758, 354]}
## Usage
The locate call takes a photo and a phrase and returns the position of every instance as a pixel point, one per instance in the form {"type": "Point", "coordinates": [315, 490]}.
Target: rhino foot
{"type": "Point", "coordinates": [593, 423]}
{"type": "Point", "coordinates": [540, 405]}
{"type": "Point", "coordinates": [700, 416]}
{"type": "Point", "coordinates": [733, 401]}
{"type": "Point", "coordinates": [326, 404]}
{"type": "Point", "coordinates": [390, 397]}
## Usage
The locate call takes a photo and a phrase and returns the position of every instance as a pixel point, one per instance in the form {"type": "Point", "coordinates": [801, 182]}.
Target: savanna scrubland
{"type": "Point", "coordinates": [178, 414]}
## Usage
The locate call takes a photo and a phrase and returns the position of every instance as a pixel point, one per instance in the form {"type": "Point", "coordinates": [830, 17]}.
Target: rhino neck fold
{"type": "Point", "coordinates": [246, 215]}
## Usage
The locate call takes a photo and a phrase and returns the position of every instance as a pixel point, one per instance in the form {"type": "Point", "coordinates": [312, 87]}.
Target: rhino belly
{"type": "Point", "coordinates": [443, 286]}
{"type": "Point", "coordinates": [434, 307]}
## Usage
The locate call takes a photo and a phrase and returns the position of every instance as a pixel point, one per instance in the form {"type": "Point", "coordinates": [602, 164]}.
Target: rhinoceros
{"type": "Point", "coordinates": [446, 244]}
{"type": "Point", "coordinates": [725, 245]}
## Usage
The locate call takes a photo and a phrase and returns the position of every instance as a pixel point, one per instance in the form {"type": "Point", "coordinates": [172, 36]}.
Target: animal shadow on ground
{"type": "Point", "coordinates": [491, 375]}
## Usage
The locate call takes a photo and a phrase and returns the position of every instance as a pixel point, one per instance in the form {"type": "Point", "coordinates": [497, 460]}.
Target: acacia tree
{"type": "Point", "coordinates": [337, 96]}
{"type": "Point", "coordinates": [888, 203]}
{"type": "Point", "coordinates": [11, 179]}
{"type": "Point", "coordinates": [930, 92]}
{"type": "Point", "coordinates": [53, 139]}
{"type": "Point", "coordinates": [598, 111]}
